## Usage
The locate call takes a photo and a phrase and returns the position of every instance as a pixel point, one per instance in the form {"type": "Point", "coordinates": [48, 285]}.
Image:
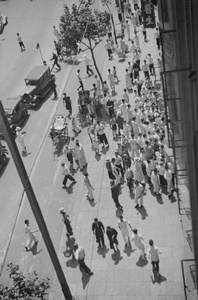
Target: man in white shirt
{"type": "Point", "coordinates": [101, 134]}
{"type": "Point", "coordinates": [139, 190]}
{"type": "Point", "coordinates": [123, 226]}
{"type": "Point", "coordinates": [153, 253]}
{"type": "Point", "coordinates": [80, 257]}
{"type": "Point", "coordinates": [67, 175]}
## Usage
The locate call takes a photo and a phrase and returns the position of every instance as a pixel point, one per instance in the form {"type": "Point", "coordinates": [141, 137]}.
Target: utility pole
{"type": "Point", "coordinates": [9, 137]}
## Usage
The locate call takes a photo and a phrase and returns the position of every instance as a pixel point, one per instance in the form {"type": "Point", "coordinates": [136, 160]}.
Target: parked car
{"type": "Point", "coordinates": [37, 86]}
{"type": "Point", "coordinates": [16, 111]}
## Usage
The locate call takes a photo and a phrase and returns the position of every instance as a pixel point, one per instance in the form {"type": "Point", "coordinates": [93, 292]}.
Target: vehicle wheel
{"type": "Point", "coordinates": [3, 158]}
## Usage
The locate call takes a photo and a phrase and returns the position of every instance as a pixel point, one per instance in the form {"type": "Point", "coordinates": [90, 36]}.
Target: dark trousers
{"type": "Point", "coordinates": [83, 266]}
{"type": "Point", "coordinates": [117, 203]}
{"type": "Point", "coordinates": [81, 85]}
{"type": "Point", "coordinates": [103, 139]}
{"type": "Point", "coordinates": [155, 265]}
{"type": "Point", "coordinates": [57, 64]}
{"type": "Point", "coordinates": [158, 43]}
{"type": "Point", "coordinates": [120, 169]}
{"type": "Point", "coordinates": [145, 36]}
{"type": "Point", "coordinates": [68, 177]}
{"type": "Point", "coordinates": [100, 240]}
{"type": "Point", "coordinates": [146, 74]}
{"type": "Point", "coordinates": [22, 45]}
{"type": "Point", "coordinates": [109, 52]}
{"type": "Point", "coordinates": [151, 68]}
{"type": "Point", "coordinates": [89, 70]}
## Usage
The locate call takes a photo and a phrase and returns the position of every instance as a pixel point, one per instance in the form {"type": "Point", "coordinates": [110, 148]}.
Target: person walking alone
{"type": "Point", "coordinates": [89, 187]}
{"type": "Point", "coordinates": [80, 257]}
{"type": "Point", "coordinates": [153, 253]}
{"type": "Point", "coordinates": [20, 137]}
{"type": "Point", "coordinates": [31, 235]}
{"type": "Point", "coordinates": [88, 64]}
{"type": "Point", "coordinates": [81, 86]}
{"type": "Point", "coordinates": [99, 230]}
{"type": "Point", "coordinates": [55, 59]}
{"type": "Point", "coordinates": [67, 175]}
{"type": "Point", "coordinates": [21, 44]}
{"type": "Point", "coordinates": [52, 84]}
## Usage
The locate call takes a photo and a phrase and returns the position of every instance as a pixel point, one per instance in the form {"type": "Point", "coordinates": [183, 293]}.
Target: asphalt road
{"type": "Point", "coordinates": [28, 18]}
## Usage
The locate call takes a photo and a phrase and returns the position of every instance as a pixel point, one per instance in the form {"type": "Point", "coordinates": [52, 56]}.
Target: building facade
{"type": "Point", "coordinates": [178, 24]}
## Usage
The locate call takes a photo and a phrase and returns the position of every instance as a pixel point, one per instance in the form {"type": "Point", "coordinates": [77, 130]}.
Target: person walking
{"type": "Point", "coordinates": [20, 138]}
{"type": "Point", "coordinates": [52, 84]}
{"type": "Point", "coordinates": [88, 64]}
{"type": "Point", "coordinates": [128, 29]}
{"type": "Point", "coordinates": [89, 187]}
{"type": "Point", "coordinates": [153, 253]}
{"type": "Point", "coordinates": [108, 48]}
{"type": "Point", "coordinates": [75, 127]}
{"type": "Point", "coordinates": [157, 38]}
{"type": "Point", "coordinates": [123, 226]}
{"type": "Point", "coordinates": [112, 236]}
{"type": "Point", "coordinates": [115, 191]}
{"type": "Point", "coordinates": [155, 181]}
{"type": "Point", "coordinates": [80, 257]}
{"type": "Point", "coordinates": [67, 103]}
{"type": "Point", "coordinates": [56, 33]}
{"type": "Point", "coordinates": [101, 134]}
{"type": "Point", "coordinates": [115, 74]}
{"type": "Point", "coordinates": [145, 69]}
{"type": "Point", "coordinates": [81, 86]}
{"type": "Point", "coordinates": [55, 61]}
{"type": "Point", "coordinates": [69, 246]}
{"type": "Point", "coordinates": [58, 50]}
{"type": "Point", "coordinates": [66, 221]}
{"type": "Point", "coordinates": [111, 81]}
{"type": "Point", "coordinates": [168, 177]}
{"type": "Point", "coordinates": [31, 236]}
{"type": "Point", "coordinates": [137, 239]}
{"type": "Point", "coordinates": [139, 190]}
{"type": "Point", "coordinates": [80, 153]}
{"type": "Point", "coordinates": [99, 230]}
{"type": "Point", "coordinates": [21, 44]}
{"type": "Point", "coordinates": [151, 64]}
{"type": "Point", "coordinates": [67, 175]}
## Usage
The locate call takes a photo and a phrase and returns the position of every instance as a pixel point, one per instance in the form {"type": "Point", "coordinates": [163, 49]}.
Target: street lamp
{"type": "Point", "coordinates": [38, 47]}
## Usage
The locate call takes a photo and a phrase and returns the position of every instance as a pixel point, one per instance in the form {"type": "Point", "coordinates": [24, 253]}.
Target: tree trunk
{"type": "Point", "coordinates": [94, 61]}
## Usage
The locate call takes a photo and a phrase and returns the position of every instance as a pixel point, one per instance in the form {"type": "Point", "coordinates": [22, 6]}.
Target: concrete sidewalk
{"type": "Point", "coordinates": [124, 276]}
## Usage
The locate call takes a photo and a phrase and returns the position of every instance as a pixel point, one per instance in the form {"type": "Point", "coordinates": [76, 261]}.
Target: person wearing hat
{"type": "Point", "coordinates": [66, 221]}
{"type": "Point", "coordinates": [20, 138]}
{"type": "Point", "coordinates": [89, 187]}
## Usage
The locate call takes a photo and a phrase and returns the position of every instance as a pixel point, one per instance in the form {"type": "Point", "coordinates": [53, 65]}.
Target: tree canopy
{"type": "Point", "coordinates": [24, 288]}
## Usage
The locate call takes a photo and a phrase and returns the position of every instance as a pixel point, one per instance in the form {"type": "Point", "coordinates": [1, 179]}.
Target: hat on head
{"type": "Point", "coordinates": [18, 128]}
{"type": "Point", "coordinates": [61, 210]}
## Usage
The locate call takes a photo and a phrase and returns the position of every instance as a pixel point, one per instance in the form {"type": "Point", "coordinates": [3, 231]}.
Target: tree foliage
{"type": "Point", "coordinates": [82, 24]}
{"type": "Point", "coordinates": [24, 288]}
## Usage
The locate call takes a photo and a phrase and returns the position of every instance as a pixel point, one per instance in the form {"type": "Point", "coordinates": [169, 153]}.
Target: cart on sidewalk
{"type": "Point", "coordinates": [59, 129]}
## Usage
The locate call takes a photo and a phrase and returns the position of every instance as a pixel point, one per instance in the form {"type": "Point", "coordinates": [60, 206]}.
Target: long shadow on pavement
{"type": "Point", "coordinates": [141, 262]}
{"type": "Point", "coordinates": [116, 257]}
{"type": "Point", "coordinates": [143, 212]}
{"type": "Point", "coordinates": [157, 278]}
{"type": "Point", "coordinates": [103, 251]}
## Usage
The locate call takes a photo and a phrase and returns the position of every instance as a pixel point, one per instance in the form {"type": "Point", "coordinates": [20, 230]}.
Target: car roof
{"type": "Point", "coordinates": [36, 72]}
{"type": "Point", "coordinates": [11, 102]}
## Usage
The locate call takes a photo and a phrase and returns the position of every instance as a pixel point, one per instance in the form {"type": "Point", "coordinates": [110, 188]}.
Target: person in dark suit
{"type": "Point", "coordinates": [98, 229]}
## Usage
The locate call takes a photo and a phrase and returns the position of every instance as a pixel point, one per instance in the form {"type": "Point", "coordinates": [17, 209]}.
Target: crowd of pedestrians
{"type": "Point", "coordinates": [140, 158]}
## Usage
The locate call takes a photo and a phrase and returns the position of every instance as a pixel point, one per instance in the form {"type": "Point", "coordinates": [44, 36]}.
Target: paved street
{"type": "Point", "coordinates": [123, 276]}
